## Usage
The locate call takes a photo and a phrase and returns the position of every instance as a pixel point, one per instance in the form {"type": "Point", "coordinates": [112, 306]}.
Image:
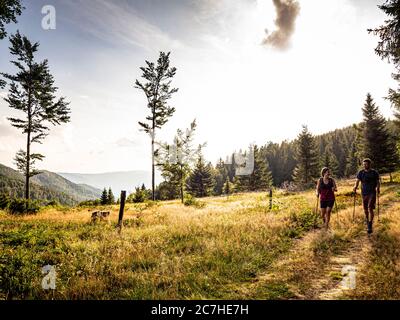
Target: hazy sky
{"type": "Point", "coordinates": [239, 90]}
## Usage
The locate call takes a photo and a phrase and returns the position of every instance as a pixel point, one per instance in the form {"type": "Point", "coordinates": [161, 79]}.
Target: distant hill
{"type": "Point", "coordinates": [118, 181]}
{"type": "Point", "coordinates": [46, 186]}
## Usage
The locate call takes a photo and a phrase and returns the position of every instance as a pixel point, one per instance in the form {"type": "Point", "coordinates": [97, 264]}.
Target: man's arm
{"type": "Point", "coordinates": [356, 185]}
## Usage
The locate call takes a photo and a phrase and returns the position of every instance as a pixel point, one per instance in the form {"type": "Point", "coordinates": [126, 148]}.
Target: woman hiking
{"type": "Point", "coordinates": [326, 188]}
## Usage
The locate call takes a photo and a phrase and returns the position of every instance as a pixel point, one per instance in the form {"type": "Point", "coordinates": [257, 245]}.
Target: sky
{"type": "Point", "coordinates": [238, 87]}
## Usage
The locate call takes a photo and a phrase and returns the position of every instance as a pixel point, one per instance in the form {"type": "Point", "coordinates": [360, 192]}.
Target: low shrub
{"type": "Point", "coordinates": [189, 200]}
{"type": "Point", "coordinates": [90, 203]}
{"type": "Point", "coordinates": [4, 201]}
{"type": "Point", "coordinates": [23, 206]}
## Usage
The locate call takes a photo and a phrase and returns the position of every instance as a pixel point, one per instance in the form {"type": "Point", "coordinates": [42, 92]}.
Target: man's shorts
{"type": "Point", "coordinates": [327, 204]}
{"type": "Point", "coordinates": [369, 201]}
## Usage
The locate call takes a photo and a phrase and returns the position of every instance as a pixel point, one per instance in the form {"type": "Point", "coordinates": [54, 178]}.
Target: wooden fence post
{"type": "Point", "coordinates": [270, 199]}
{"type": "Point", "coordinates": [121, 209]}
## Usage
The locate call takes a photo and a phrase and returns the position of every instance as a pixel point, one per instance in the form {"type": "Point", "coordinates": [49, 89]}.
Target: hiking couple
{"type": "Point", "coordinates": [370, 187]}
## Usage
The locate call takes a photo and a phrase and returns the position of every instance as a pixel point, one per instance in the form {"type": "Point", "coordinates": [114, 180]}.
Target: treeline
{"type": "Point", "coordinates": [291, 164]}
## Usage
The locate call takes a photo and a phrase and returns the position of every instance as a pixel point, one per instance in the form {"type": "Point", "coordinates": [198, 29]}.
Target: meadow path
{"type": "Point", "coordinates": [317, 263]}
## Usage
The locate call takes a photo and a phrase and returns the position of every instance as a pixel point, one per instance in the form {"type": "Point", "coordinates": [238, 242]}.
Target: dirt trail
{"type": "Point", "coordinates": [347, 264]}
{"type": "Point", "coordinates": [349, 261]}
{"type": "Point", "coordinates": [306, 275]}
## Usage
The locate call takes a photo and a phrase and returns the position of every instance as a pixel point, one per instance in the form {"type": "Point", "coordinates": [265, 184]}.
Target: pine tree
{"type": "Point", "coordinates": [388, 47]}
{"type": "Point", "coordinates": [260, 178]}
{"type": "Point", "coordinates": [307, 158]}
{"type": "Point", "coordinates": [352, 162]}
{"type": "Point", "coordinates": [9, 11]}
{"type": "Point", "coordinates": [377, 144]}
{"type": "Point", "coordinates": [220, 176]}
{"type": "Point", "coordinates": [158, 91]}
{"type": "Point", "coordinates": [330, 161]}
{"type": "Point", "coordinates": [32, 91]}
{"type": "Point", "coordinates": [338, 152]}
{"type": "Point", "coordinates": [177, 159]}
{"type": "Point", "coordinates": [228, 187]}
{"type": "Point", "coordinates": [110, 197]}
{"type": "Point", "coordinates": [200, 182]}
{"type": "Point", "coordinates": [104, 197]}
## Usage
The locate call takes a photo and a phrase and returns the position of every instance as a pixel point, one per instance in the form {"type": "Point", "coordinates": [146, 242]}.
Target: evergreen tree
{"type": "Point", "coordinates": [200, 182]}
{"type": "Point", "coordinates": [260, 177]}
{"type": "Point", "coordinates": [307, 158]}
{"type": "Point", "coordinates": [140, 195]}
{"type": "Point", "coordinates": [104, 197]}
{"type": "Point", "coordinates": [377, 144]}
{"type": "Point", "coordinates": [32, 91]}
{"type": "Point", "coordinates": [338, 152]}
{"type": "Point", "coordinates": [110, 197]}
{"type": "Point", "coordinates": [329, 160]}
{"type": "Point", "coordinates": [352, 162]}
{"type": "Point", "coordinates": [388, 47]}
{"type": "Point", "coordinates": [9, 11]}
{"type": "Point", "coordinates": [220, 176]}
{"type": "Point", "coordinates": [228, 187]}
{"type": "Point", "coordinates": [177, 159]}
{"type": "Point", "coordinates": [158, 91]}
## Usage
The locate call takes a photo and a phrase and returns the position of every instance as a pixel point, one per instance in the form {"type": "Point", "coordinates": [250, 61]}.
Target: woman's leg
{"type": "Point", "coordinates": [328, 216]}
{"type": "Point", "coordinates": [323, 215]}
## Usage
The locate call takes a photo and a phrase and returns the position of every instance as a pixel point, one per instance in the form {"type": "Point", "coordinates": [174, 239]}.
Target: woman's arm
{"type": "Point", "coordinates": [334, 189]}
{"type": "Point", "coordinates": [317, 189]}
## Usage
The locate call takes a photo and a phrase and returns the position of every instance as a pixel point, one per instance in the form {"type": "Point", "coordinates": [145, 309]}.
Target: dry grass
{"type": "Point", "coordinates": [165, 251]}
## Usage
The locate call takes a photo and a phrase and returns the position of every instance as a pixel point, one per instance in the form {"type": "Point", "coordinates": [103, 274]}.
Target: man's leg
{"type": "Point", "coordinates": [371, 208]}
{"type": "Point", "coordinates": [366, 206]}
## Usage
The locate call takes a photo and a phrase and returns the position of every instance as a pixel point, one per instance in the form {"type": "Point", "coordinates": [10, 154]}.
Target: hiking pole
{"type": "Point", "coordinates": [316, 211]}
{"type": "Point", "coordinates": [337, 213]}
{"type": "Point", "coordinates": [378, 207]}
{"type": "Point", "coordinates": [354, 206]}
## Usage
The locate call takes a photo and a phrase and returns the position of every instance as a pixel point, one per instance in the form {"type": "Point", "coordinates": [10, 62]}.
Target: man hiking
{"type": "Point", "coordinates": [370, 186]}
{"type": "Point", "coordinates": [326, 188]}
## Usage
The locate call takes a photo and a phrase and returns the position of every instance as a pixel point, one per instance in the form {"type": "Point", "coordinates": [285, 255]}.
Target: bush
{"type": "Point", "coordinates": [139, 196]}
{"type": "Point", "coordinates": [189, 200]}
{"type": "Point", "coordinates": [23, 206]}
{"type": "Point", "coordinates": [53, 203]}
{"type": "Point", "coordinates": [90, 203]}
{"type": "Point", "coordinates": [4, 201]}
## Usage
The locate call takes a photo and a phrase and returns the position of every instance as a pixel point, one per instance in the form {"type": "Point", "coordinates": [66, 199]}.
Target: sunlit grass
{"type": "Point", "coordinates": [165, 250]}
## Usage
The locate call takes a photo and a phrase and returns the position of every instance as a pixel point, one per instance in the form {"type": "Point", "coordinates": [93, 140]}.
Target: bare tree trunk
{"type": "Point", "coordinates": [152, 170]}
{"type": "Point", "coordinates": [153, 134]}
{"type": "Point", "coordinates": [182, 184]}
{"type": "Point", "coordinates": [28, 156]}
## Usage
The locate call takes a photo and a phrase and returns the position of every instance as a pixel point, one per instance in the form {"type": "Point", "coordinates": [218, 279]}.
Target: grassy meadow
{"type": "Point", "coordinates": [230, 248]}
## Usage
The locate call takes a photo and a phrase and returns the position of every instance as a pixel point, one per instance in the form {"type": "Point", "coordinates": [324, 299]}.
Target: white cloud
{"type": "Point", "coordinates": [119, 23]}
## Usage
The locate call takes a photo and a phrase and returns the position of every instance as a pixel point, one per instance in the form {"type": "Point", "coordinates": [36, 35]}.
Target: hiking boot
{"type": "Point", "coordinates": [370, 227]}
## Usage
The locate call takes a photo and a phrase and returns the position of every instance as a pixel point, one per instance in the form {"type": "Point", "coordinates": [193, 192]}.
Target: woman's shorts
{"type": "Point", "coordinates": [327, 204]}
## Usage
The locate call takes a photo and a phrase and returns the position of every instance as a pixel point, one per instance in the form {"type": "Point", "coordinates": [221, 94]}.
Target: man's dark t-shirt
{"type": "Point", "coordinates": [369, 181]}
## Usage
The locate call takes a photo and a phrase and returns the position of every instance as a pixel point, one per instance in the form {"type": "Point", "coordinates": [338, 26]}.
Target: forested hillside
{"type": "Point", "coordinates": [46, 186]}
